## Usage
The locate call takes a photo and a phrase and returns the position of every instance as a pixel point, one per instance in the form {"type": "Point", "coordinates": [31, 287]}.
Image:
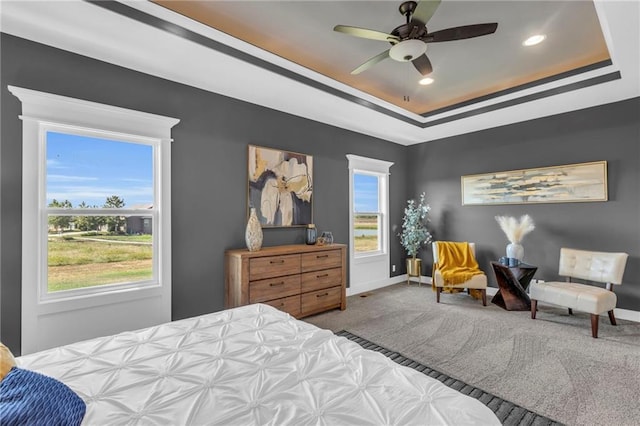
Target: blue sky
{"type": "Point", "coordinates": [365, 193]}
{"type": "Point", "coordinates": [81, 168]}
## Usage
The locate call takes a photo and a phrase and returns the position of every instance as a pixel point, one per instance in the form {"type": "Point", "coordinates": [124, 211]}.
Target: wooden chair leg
{"type": "Point", "coordinates": [612, 318]}
{"type": "Point", "coordinates": [594, 325]}
{"type": "Point", "coordinates": [484, 296]}
{"type": "Point", "coordinates": [534, 306]}
{"type": "Point", "coordinates": [438, 290]}
{"type": "Point", "coordinates": [570, 311]}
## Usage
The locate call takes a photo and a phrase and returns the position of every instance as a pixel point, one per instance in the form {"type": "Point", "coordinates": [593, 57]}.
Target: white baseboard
{"type": "Point", "coordinates": [375, 285]}
{"type": "Point", "coordinates": [627, 314]}
{"type": "Point", "coordinates": [624, 314]}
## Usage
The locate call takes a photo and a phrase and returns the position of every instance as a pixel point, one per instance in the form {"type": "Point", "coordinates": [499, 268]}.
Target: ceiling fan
{"type": "Point", "coordinates": [409, 41]}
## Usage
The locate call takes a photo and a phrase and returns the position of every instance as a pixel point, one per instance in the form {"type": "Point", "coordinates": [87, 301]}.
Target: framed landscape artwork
{"type": "Point", "coordinates": [280, 186]}
{"type": "Point", "coordinates": [557, 184]}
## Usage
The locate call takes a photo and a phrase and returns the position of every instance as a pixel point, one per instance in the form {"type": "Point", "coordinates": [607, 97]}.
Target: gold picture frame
{"type": "Point", "coordinates": [280, 187]}
{"type": "Point", "coordinates": [571, 183]}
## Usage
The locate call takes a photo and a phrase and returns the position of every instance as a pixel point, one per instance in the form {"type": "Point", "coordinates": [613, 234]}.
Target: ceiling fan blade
{"type": "Point", "coordinates": [423, 65]}
{"type": "Point", "coordinates": [365, 33]}
{"type": "Point", "coordinates": [460, 33]}
{"type": "Point", "coordinates": [425, 10]}
{"type": "Point", "coordinates": [371, 62]}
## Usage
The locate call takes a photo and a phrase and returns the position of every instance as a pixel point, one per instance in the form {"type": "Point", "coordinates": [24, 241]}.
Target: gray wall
{"type": "Point", "coordinates": [209, 176]}
{"type": "Point", "coordinates": [609, 132]}
{"type": "Point", "coordinates": [209, 168]}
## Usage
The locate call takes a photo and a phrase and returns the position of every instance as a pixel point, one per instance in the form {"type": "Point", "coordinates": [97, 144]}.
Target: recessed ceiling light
{"type": "Point", "coordinates": [426, 81]}
{"type": "Point", "coordinates": [533, 40]}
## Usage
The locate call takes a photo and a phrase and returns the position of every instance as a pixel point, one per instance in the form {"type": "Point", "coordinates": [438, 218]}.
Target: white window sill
{"type": "Point", "coordinates": [370, 258]}
{"type": "Point", "coordinates": [86, 301]}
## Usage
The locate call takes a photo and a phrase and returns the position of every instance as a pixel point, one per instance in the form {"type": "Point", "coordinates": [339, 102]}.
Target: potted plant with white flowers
{"type": "Point", "coordinates": [414, 233]}
{"type": "Point", "coordinates": [515, 230]}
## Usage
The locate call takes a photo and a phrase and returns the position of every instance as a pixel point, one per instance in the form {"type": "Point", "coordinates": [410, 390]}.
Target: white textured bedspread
{"type": "Point", "coordinates": [245, 366]}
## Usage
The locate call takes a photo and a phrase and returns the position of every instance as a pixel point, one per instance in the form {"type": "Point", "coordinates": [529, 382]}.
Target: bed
{"type": "Point", "coordinates": [249, 365]}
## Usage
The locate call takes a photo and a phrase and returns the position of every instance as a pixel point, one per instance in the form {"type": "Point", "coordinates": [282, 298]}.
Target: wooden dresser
{"type": "Point", "coordinates": [299, 279]}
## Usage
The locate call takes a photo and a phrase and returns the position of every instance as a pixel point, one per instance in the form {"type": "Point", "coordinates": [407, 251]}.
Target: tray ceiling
{"type": "Point", "coordinates": [479, 83]}
{"type": "Point", "coordinates": [464, 70]}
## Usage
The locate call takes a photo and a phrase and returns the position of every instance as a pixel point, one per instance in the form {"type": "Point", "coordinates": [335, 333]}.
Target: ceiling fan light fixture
{"type": "Point", "coordinates": [426, 81]}
{"type": "Point", "coordinates": [407, 50]}
{"type": "Point", "coordinates": [534, 39]}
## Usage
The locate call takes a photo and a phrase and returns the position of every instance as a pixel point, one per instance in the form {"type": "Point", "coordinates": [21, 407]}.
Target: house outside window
{"type": "Point", "coordinates": [99, 193]}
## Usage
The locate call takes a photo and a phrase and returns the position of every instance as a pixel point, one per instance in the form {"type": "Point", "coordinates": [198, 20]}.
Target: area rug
{"type": "Point", "coordinates": [551, 366]}
{"type": "Point", "coordinates": [507, 412]}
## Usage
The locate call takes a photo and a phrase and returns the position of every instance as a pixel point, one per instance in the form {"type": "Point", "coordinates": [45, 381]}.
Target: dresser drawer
{"type": "Point", "coordinates": [321, 260]}
{"type": "Point", "coordinates": [273, 288]}
{"type": "Point", "coordinates": [273, 266]}
{"type": "Point", "coordinates": [321, 300]}
{"type": "Point", "coordinates": [290, 305]}
{"type": "Point", "coordinates": [317, 280]}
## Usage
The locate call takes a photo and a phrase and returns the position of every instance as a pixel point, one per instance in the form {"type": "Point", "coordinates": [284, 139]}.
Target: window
{"type": "Point", "coordinates": [99, 205]}
{"type": "Point", "coordinates": [96, 199]}
{"type": "Point", "coordinates": [369, 206]}
{"type": "Point", "coordinates": [367, 214]}
{"type": "Point", "coordinates": [96, 219]}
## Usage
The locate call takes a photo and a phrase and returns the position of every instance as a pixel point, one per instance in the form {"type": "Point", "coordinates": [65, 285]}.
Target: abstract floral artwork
{"type": "Point", "coordinates": [557, 184]}
{"type": "Point", "coordinates": [280, 186]}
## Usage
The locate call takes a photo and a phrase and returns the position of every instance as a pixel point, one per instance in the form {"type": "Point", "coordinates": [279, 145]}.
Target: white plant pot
{"type": "Point", "coordinates": [515, 250]}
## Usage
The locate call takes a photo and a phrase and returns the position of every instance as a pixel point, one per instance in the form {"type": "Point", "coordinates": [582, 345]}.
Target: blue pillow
{"type": "Point", "coordinates": [30, 398]}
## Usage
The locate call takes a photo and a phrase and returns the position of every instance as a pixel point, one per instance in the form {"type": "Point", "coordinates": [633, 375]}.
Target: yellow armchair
{"type": "Point", "coordinates": [455, 268]}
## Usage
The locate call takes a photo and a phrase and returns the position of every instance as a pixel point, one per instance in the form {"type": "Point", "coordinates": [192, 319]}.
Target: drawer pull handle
{"type": "Point", "coordinates": [322, 276]}
{"type": "Point", "coordinates": [321, 256]}
{"type": "Point", "coordinates": [276, 284]}
{"type": "Point", "coordinates": [276, 261]}
{"type": "Point", "coordinates": [322, 295]}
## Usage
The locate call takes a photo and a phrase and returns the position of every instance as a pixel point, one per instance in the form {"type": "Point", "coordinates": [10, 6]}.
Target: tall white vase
{"type": "Point", "coordinates": [515, 250]}
{"type": "Point", "coordinates": [253, 233]}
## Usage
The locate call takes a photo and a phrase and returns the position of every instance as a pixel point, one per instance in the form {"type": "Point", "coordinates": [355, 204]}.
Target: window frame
{"type": "Point", "coordinates": [45, 211]}
{"type": "Point", "coordinates": [380, 168]}
{"type": "Point", "coordinates": [42, 112]}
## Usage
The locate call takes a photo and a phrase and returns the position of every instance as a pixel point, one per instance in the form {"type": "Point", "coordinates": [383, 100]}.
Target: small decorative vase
{"type": "Point", "coordinates": [516, 251]}
{"type": "Point", "coordinates": [328, 237]}
{"type": "Point", "coordinates": [253, 233]}
{"type": "Point", "coordinates": [311, 234]}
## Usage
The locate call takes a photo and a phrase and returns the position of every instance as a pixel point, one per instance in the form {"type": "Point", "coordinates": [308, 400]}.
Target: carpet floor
{"type": "Point", "coordinates": [507, 412]}
{"type": "Point", "coordinates": [551, 366]}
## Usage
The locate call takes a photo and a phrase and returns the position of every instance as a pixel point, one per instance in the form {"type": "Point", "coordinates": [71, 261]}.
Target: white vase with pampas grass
{"type": "Point", "coordinates": [515, 231]}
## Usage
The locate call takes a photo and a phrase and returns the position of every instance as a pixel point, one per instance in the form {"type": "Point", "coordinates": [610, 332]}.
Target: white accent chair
{"type": "Point", "coordinates": [601, 267]}
{"type": "Point", "coordinates": [478, 282]}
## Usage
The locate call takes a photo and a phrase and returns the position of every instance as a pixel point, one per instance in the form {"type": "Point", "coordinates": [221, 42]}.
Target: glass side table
{"type": "Point", "coordinates": [512, 285]}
